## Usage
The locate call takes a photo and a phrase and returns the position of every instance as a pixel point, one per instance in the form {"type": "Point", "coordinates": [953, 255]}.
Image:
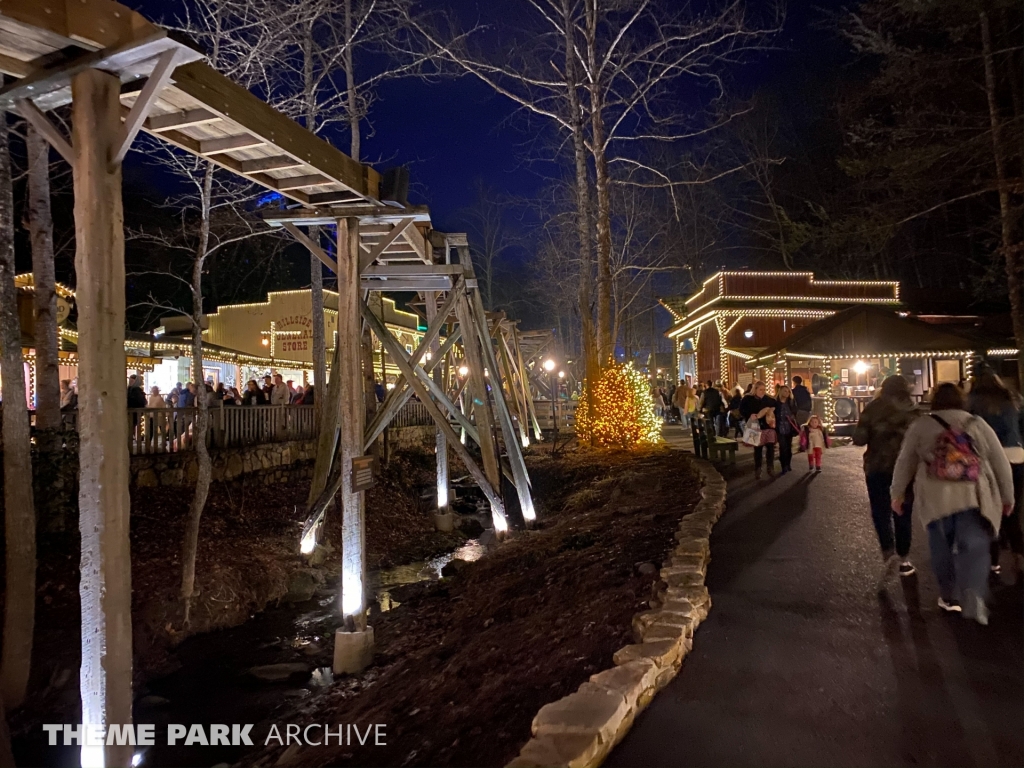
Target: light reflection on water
{"type": "Point", "coordinates": [428, 570]}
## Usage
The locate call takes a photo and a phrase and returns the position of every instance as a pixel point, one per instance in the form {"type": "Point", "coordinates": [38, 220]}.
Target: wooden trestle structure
{"type": "Point", "coordinates": [121, 74]}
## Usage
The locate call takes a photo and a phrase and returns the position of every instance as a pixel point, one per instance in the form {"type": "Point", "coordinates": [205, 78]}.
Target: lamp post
{"type": "Point", "coordinates": [549, 366]}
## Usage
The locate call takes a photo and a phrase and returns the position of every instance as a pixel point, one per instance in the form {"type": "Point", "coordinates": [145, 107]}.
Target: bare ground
{"type": "Point", "coordinates": [461, 670]}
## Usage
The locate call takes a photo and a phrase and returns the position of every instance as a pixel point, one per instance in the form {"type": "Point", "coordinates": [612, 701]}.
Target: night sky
{"type": "Point", "coordinates": [455, 131]}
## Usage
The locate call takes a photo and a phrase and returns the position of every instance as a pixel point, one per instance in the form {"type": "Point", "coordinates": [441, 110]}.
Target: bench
{"type": "Point", "coordinates": [708, 446]}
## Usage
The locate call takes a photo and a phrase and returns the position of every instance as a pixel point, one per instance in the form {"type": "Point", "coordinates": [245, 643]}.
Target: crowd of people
{"type": "Point", "coordinates": [274, 391]}
{"type": "Point", "coordinates": [959, 469]}
{"type": "Point", "coordinates": [955, 462]}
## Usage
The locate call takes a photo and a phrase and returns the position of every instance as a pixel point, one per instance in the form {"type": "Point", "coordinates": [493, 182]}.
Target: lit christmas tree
{"type": "Point", "coordinates": [623, 410]}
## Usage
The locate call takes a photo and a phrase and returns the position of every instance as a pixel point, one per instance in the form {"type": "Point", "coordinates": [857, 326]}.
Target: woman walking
{"type": "Point", "coordinates": [760, 406]}
{"type": "Point", "coordinates": [963, 487]}
{"type": "Point", "coordinates": [881, 428]}
{"type": "Point", "coordinates": [1001, 409]}
{"type": "Point", "coordinates": [786, 426]}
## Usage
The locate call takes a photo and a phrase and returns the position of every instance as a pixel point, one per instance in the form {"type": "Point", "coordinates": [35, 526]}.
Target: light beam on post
{"type": "Point", "coordinates": [353, 643]}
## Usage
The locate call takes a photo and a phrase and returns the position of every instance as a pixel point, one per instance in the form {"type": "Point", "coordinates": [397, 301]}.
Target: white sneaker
{"type": "Point", "coordinates": [890, 569]}
{"type": "Point", "coordinates": [975, 608]}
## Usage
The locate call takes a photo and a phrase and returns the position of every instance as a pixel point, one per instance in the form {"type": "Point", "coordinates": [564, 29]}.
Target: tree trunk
{"type": "Point", "coordinates": [1012, 252]}
{"type": "Point", "coordinates": [350, 86]}
{"type": "Point", "coordinates": [319, 340]}
{"type": "Point", "coordinates": [203, 464]}
{"type": "Point", "coordinates": [602, 183]}
{"type": "Point", "coordinates": [40, 225]}
{"type": "Point", "coordinates": [592, 366]}
{"type": "Point", "coordinates": [316, 270]}
{"type": "Point", "coordinates": [19, 509]}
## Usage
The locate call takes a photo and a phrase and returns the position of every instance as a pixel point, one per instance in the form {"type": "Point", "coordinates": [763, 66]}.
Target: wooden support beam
{"type": "Point", "coordinates": [350, 437]}
{"type": "Point", "coordinates": [313, 248]}
{"type": "Point", "coordinates": [174, 121]}
{"type": "Point", "coordinates": [299, 182]}
{"type": "Point", "coordinates": [229, 144]}
{"type": "Point", "coordinates": [224, 97]}
{"type": "Point", "coordinates": [103, 502]}
{"type": "Point", "coordinates": [151, 91]}
{"type": "Point", "coordinates": [512, 446]}
{"type": "Point", "coordinates": [442, 484]}
{"type": "Point", "coordinates": [47, 130]}
{"type": "Point", "coordinates": [276, 163]}
{"type": "Point", "coordinates": [376, 250]}
{"type": "Point", "coordinates": [478, 389]}
{"type": "Point", "coordinates": [420, 389]}
{"type": "Point", "coordinates": [394, 401]}
{"type": "Point", "coordinates": [524, 379]}
{"type": "Point", "coordinates": [341, 197]}
{"type": "Point", "coordinates": [411, 270]}
{"type": "Point", "coordinates": [408, 284]}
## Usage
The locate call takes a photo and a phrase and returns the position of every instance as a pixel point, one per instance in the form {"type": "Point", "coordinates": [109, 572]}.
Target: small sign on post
{"type": "Point", "coordinates": [364, 469]}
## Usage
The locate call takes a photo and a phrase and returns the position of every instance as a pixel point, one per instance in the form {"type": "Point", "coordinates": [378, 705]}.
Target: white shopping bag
{"type": "Point", "coordinates": [752, 433]}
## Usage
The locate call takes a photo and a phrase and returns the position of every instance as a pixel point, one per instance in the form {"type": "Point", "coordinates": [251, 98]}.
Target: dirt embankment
{"type": "Point", "coordinates": [461, 670]}
{"type": "Point", "coordinates": [248, 553]}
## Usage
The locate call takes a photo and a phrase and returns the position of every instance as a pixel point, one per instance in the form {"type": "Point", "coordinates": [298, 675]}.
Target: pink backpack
{"type": "Point", "coordinates": [955, 458]}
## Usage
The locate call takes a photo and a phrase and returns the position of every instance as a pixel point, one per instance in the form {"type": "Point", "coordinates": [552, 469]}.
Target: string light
{"type": "Point", "coordinates": [623, 410]}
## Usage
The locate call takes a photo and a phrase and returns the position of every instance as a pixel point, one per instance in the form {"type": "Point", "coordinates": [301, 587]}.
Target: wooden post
{"type": "Point", "coordinates": [480, 398]}
{"type": "Point", "coordinates": [103, 503]}
{"type": "Point", "coordinates": [512, 447]}
{"type": "Point", "coordinates": [352, 419]}
{"type": "Point", "coordinates": [440, 443]}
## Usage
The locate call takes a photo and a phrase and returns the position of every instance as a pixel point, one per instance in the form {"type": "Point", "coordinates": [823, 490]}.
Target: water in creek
{"type": "Point", "coordinates": [213, 684]}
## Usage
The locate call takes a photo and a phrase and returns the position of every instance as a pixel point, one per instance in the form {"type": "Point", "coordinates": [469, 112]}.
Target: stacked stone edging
{"type": "Point", "coordinates": [580, 730]}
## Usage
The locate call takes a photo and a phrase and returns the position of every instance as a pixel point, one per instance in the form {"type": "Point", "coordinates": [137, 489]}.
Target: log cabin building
{"type": "Point", "coordinates": [735, 316]}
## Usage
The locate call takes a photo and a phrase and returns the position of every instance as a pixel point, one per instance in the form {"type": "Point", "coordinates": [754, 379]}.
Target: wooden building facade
{"type": "Point", "coordinates": [737, 315]}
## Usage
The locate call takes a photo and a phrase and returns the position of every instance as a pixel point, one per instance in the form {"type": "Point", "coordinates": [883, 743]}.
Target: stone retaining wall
{"type": "Point", "coordinates": [270, 463]}
{"type": "Point", "coordinates": [581, 729]}
{"type": "Point", "coordinates": [406, 438]}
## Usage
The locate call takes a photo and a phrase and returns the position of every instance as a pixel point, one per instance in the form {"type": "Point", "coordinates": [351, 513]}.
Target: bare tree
{"type": "Point", "coordinates": [40, 226]}
{"type": "Point", "coordinates": [19, 509]}
{"type": "Point", "coordinates": [607, 75]}
{"type": "Point", "coordinates": [235, 40]}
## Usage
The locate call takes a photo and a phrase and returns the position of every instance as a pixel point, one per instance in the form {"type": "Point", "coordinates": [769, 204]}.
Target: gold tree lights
{"type": "Point", "coordinates": [623, 410]}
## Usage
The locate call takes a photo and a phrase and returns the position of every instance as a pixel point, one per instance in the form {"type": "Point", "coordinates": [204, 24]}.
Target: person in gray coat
{"type": "Point", "coordinates": [961, 515]}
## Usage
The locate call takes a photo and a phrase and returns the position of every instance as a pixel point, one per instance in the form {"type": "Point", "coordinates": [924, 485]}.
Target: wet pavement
{"type": "Point", "coordinates": [802, 663]}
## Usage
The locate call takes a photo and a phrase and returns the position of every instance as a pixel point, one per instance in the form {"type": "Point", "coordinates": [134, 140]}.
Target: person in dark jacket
{"type": "Point", "coordinates": [734, 411]}
{"type": "Point", "coordinates": [712, 402]}
{"type": "Point", "coordinates": [801, 401]}
{"type": "Point", "coordinates": [253, 394]}
{"type": "Point", "coordinates": [759, 405]}
{"type": "Point", "coordinates": [308, 396]}
{"type": "Point", "coordinates": [136, 397]}
{"type": "Point", "coordinates": [786, 426]}
{"type": "Point", "coordinates": [881, 428]}
{"type": "Point", "coordinates": [1001, 409]}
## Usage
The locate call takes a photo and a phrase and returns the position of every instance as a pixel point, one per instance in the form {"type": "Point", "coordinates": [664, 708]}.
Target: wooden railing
{"type": "Point", "coordinates": [170, 430]}
{"type": "Point", "coordinates": [564, 411]}
{"type": "Point", "coordinates": [413, 414]}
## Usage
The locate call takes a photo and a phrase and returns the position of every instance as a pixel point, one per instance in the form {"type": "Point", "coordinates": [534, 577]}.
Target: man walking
{"type": "Point", "coordinates": [802, 401]}
{"type": "Point", "coordinates": [712, 404]}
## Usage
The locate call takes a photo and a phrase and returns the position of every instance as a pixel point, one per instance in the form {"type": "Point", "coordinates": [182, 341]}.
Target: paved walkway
{"type": "Point", "coordinates": [801, 663]}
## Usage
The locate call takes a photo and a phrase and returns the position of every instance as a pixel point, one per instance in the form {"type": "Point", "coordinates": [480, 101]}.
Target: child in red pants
{"type": "Point", "coordinates": [814, 440]}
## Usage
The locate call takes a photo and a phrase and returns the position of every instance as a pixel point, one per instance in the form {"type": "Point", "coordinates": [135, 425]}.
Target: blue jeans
{"type": "Point", "coordinates": [884, 519]}
{"type": "Point", "coordinates": [968, 567]}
